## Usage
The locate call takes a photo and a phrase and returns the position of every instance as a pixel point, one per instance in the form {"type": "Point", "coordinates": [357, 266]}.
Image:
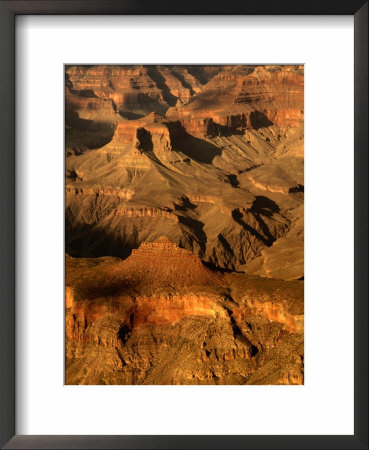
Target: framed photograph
{"type": "Point", "coordinates": [184, 224]}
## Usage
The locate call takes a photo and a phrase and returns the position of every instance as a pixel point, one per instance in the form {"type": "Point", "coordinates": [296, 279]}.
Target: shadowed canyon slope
{"type": "Point", "coordinates": [184, 224]}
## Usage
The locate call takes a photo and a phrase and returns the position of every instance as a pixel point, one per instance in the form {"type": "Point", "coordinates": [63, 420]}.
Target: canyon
{"type": "Point", "coordinates": [162, 317]}
{"type": "Point", "coordinates": [184, 224]}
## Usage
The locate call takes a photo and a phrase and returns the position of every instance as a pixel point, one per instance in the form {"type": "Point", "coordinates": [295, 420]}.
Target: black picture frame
{"type": "Point", "coordinates": [8, 12]}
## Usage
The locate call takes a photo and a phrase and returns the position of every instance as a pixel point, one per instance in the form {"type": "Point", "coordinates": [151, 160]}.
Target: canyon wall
{"type": "Point", "coordinates": [161, 317]}
{"type": "Point", "coordinates": [209, 156]}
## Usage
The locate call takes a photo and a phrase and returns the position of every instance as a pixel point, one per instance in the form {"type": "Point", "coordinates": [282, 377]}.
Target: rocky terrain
{"type": "Point", "coordinates": [184, 224]}
{"type": "Point", "coordinates": [162, 317]}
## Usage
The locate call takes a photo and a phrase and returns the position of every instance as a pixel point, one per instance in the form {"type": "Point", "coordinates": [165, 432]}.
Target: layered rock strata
{"type": "Point", "coordinates": [211, 156]}
{"type": "Point", "coordinates": [161, 317]}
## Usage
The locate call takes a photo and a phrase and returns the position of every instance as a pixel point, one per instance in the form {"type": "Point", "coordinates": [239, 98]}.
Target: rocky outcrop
{"type": "Point", "coordinates": [147, 212]}
{"type": "Point", "coordinates": [152, 133]}
{"type": "Point", "coordinates": [164, 260]}
{"type": "Point", "coordinates": [198, 126]}
{"type": "Point", "coordinates": [125, 194]}
{"type": "Point", "coordinates": [160, 317]}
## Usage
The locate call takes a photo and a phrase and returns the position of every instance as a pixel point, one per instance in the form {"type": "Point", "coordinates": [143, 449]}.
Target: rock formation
{"type": "Point", "coordinates": [161, 317]}
{"type": "Point", "coordinates": [161, 262]}
{"type": "Point", "coordinates": [196, 161]}
{"type": "Point", "coordinates": [184, 224]}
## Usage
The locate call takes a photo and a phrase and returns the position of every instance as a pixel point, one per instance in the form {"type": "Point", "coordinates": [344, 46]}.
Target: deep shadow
{"type": "Point", "coordinates": [264, 205]}
{"type": "Point", "coordinates": [212, 266]}
{"type": "Point", "coordinates": [237, 333]}
{"type": "Point", "coordinates": [72, 175]}
{"type": "Point", "coordinates": [259, 120]}
{"type": "Point", "coordinates": [195, 71]}
{"type": "Point", "coordinates": [144, 141]}
{"type": "Point", "coordinates": [156, 76]}
{"type": "Point", "coordinates": [86, 93]}
{"type": "Point", "coordinates": [185, 205]}
{"type": "Point", "coordinates": [90, 241]}
{"type": "Point", "coordinates": [233, 180]}
{"type": "Point", "coordinates": [238, 217]}
{"type": "Point", "coordinates": [254, 350]}
{"type": "Point", "coordinates": [148, 104]}
{"type": "Point", "coordinates": [265, 229]}
{"type": "Point", "coordinates": [225, 244]}
{"type": "Point", "coordinates": [72, 119]}
{"type": "Point", "coordinates": [295, 189]}
{"type": "Point", "coordinates": [131, 115]}
{"type": "Point", "coordinates": [183, 81]}
{"type": "Point", "coordinates": [196, 228]}
{"type": "Point", "coordinates": [236, 126]}
{"type": "Point", "coordinates": [249, 168]}
{"type": "Point", "coordinates": [195, 148]}
{"type": "Point", "coordinates": [138, 104]}
{"type": "Point", "coordinates": [226, 131]}
{"type": "Point", "coordinates": [202, 73]}
{"type": "Point", "coordinates": [124, 333]}
{"type": "Point", "coordinates": [68, 83]}
{"type": "Point", "coordinates": [85, 133]}
{"type": "Point", "coordinates": [97, 288]}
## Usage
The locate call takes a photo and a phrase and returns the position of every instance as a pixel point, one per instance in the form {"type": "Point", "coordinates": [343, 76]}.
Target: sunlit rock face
{"type": "Point", "coordinates": [184, 224]}
{"type": "Point", "coordinates": [162, 317]}
{"type": "Point", "coordinates": [240, 98]}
